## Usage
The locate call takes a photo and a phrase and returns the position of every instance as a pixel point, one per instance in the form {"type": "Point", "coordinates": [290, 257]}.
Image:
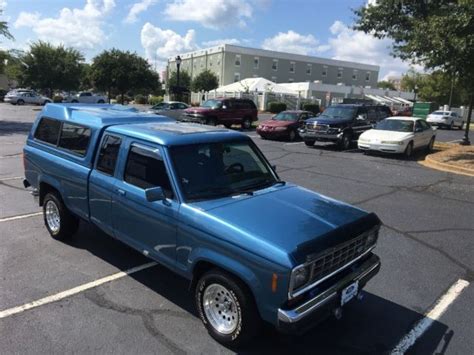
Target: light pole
{"type": "Point", "coordinates": [178, 87]}
{"type": "Point", "coordinates": [415, 90]}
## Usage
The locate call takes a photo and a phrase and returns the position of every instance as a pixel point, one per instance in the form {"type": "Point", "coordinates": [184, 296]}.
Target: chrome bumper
{"type": "Point", "coordinates": [292, 316]}
{"type": "Point", "coordinates": [320, 136]}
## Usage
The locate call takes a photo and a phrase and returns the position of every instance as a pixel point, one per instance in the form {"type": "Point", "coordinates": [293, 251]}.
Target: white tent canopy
{"type": "Point", "coordinates": [251, 85]}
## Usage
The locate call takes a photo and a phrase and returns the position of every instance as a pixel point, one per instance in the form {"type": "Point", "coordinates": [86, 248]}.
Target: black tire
{"type": "Point", "coordinates": [46, 102]}
{"type": "Point", "coordinates": [75, 101]}
{"type": "Point", "coordinates": [68, 223]}
{"type": "Point", "coordinates": [345, 142]}
{"type": "Point", "coordinates": [451, 125]}
{"type": "Point", "coordinates": [292, 135]}
{"type": "Point", "coordinates": [429, 147]}
{"type": "Point", "coordinates": [211, 121]}
{"type": "Point", "coordinates": [228, 125]}
{"type": "Point", "coordinates": [101, 102]}
{"type": "Point", "coordinates": [246, 123]}
{"type": "Point", "coordinates": [20, 102]}
{"type": "Point", "coordinates": [309, 143]}
{"type": "Point", "coordinates": [409, 150]}
{"type": "Point", "coordinates": [247, 319]}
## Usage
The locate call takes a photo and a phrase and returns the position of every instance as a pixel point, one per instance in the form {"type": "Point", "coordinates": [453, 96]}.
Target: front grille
{"type": "Point", "coordinates": [338, 257]}
{"type": "Point", "coordinates": [318, 127]}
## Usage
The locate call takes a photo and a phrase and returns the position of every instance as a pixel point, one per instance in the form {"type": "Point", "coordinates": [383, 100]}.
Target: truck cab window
{"type": "Point", "coordinates": [48, 130]}
{"type": "Point", "coordinates": [108, 155]}
{"type": "Point", "coordinates": [75, 138]}
{"type": "Point", "coordinates": [146, 169]}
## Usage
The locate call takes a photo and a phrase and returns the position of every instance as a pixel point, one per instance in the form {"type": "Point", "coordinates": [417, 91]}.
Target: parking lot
{"type": "Point", "coordinates": [426, 246]}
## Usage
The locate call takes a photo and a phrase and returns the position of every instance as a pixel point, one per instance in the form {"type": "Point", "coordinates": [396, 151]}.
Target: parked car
{"type": "Point", "coordinates": [283, 125]}
{"type": "Point", "coordinates": [26, 97]}
{"type": "Point", "coordinates": [204, 202]}
{"type": "Point", "coordinates": [223, 111]}
{"type": "Point", "coordinates": [86, 97]}
{"type": "Point", "coordinates": [342, 124]}
{"type": "Point", "coordinates": [173, 109]}
{"type": "Point", "coordinates": [448, 119]}
{"type": "Point", "coordinates": [399, 135]}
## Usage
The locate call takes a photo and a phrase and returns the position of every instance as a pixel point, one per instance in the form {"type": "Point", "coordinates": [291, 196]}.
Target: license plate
{"type": "Point", "coordinates": [349, 292]}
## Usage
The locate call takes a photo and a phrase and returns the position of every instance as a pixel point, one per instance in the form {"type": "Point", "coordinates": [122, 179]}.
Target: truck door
{"type": "Point", "coordinates": [102, 181]}
{"type": "Point", "coordinates": [150, 227]}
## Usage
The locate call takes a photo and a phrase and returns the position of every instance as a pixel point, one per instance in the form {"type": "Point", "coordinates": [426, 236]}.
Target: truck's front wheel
{"type": "Point", "coordinates": [226, 308]}
{"type": "Point", "coordinates": [61, 224]}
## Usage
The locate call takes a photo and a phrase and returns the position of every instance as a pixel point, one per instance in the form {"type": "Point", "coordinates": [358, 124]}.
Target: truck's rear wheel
{"type": "Point", "coordinates": [226, 308]}
{"type": "Point", "coordinates": [61, 224]}
{"type": "Point", "coordinates": [309, 143]}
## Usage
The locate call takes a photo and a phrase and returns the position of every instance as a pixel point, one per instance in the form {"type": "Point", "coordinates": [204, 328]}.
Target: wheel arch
{"type": "Point", "coordinates": [45, 188]}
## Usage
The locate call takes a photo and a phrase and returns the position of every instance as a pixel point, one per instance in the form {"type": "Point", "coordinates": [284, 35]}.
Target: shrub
{"type": "Point", "coordinates": [195, 104]}
{"type": "Point", "coordinates": [314, 108]}
{"type": "Point", "coordinates": [276, 107]}
{"type": "Point", "coordinates": [153, 100]}
{"type": "Point", "coordinates": [140, 99]}
{"type": "Point", "coordinates": [126, 99]}
{"type": "Point", "coordinates": [58, 98]}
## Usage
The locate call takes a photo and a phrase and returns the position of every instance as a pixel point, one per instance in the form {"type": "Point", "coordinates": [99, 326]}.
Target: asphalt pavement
{"type": "Point", "coordinates": [426, 246]}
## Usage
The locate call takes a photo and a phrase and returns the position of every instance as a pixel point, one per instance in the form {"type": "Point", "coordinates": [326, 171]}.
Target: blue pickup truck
{"type": "Point", "coordinates": [204, 202]}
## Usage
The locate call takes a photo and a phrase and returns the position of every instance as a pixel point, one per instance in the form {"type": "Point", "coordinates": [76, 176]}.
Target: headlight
{"type": "Point", "coordinates": [392, 142]}
{"type": "Point", "coordinates": [300, 276]}
{"type": "Point", "coordinates": [364, 140]}
{"type": "Point", "coordinates": [372, 238]}
{"type": "Point", "coordinates": [280, 129]}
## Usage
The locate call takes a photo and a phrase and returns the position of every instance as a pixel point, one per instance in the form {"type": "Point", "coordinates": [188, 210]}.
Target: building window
{"type": "Point", "coordinates": [292, 67]}
{"type": "Point", "coordinates": [324, 73]}
{"type": "Point", "coordinates": [237, 60]}
{"type": "Point", "coordinates": [367, 76]}
{"type": "Point", "coordinates": [291, 80]}
{"type": "Point", "coordinates": [256, 62]}
{"type": "Point", "coordinates": [309, 69]}
{"type": "Point", "coordinates": [354, 75]}
{"type": "Point", "coordinates": [236, 77]}
{"type": "Point", "coordinates": [274, 79]}
{"type": "Point", "coordinates": [339, 73]}
{"type": "Point", "coordinates": [275, 64]}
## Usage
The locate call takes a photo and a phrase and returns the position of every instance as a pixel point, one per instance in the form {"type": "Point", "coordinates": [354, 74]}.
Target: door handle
{"type": "Point", "coordinates": [121, 192]}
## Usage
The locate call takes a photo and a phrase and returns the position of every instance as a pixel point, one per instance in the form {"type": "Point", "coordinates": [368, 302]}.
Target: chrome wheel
{"type": "Point", "coordinates": [220, 307]}
{"type": "Point", "coordinates": [52, 216]}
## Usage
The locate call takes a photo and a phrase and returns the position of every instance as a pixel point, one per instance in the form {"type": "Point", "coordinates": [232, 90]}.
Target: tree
{"type": "Point", "coordinates": [117, 71]}
{"type": "Point", "coordinates": [4, 32]}
{"type": "Point", "coordinates": [50, 68]}
{"type": "Point", "coordinates": [205, 81]}
{"type": "Point", "coordinates": [184, 80]}
{"type": "Point", "coordinates": [386, 85]}
{"type": "Point", "coordinates": [436, 34]}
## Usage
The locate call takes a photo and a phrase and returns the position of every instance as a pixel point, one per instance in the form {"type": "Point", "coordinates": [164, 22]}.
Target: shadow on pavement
{"type": "Point", "coordinates": [371, 326]}
{"type": "Point", "coordinates": [14, 127]}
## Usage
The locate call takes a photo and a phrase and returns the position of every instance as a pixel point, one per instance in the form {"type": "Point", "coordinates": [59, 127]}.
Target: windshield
{"type": "Point", "coordinates": [395, 125]}
{"type": "Point", "coordinates": [338, 112]}
{"type": "Point", "coordinates": [160, 106]}
{"type": "Point", "coordinates": [212, 104]}
{"type": "Point", "coordinates": [285, 116]}
{"type": "Point", "coordinates": [214, 170]}
{"type": "Point", "coordinates": [440, 113]}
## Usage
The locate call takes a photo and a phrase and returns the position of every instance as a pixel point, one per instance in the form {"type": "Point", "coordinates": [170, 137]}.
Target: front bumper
{"type": "Point", "coordinates": [192, 118]}
{"type": "Point", "coordinates": [272, 134]}
{"type": "Point", "coordinates": [318, 308]}
{"type": "Point", "coordinates": [384, 148]}
{"type": "Point", "coordinates": [320, 136]}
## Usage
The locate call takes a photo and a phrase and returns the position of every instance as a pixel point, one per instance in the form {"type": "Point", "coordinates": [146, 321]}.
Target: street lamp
{"type": "Point", "coordinates": [415, 90]}
{"type": "Point", "coordinates": [178, 87]}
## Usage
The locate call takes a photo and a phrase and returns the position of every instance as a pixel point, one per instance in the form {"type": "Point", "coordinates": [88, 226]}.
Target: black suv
{"type": "Point", "coordinates": [342, 123]}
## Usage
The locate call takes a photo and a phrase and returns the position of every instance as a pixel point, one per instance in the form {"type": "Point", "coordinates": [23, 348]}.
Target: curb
{"type": "Point", "coordinates": [432, 163]}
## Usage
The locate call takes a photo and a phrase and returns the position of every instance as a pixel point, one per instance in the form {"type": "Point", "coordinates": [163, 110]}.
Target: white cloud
{"type": "Point", "coordinates": [80, 28]}
{"type": "Point", "coordinates": [160, 44]}
{"type": "Point", "coordinates": [294, 42]}
{"type": "Point", "coordinates": [217, 42]}
{"type": "Point", "coordinates": [210, 13]}
{"type": "Point", "coordinates": [3, 4]}
{"type": "Point", "coordinates": [357, 46]}
{"type": "Point", "coordinates": [137, 8]}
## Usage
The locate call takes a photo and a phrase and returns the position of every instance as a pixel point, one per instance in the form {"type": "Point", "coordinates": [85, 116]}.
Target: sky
{"type": "Point", "coordinates": [159, 29]}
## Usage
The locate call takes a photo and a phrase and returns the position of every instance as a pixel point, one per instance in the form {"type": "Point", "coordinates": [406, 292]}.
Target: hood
{"type": "Point", "coordinates": [198, 110]}
{"type": "Point", "coordinates": [329, 121]}
{"type": "Point", "coordinates": [285, 223]}
{"type": "Point", "coordinates": [277, 123]}
{"type": "Point", "coordinates": [382, 135]}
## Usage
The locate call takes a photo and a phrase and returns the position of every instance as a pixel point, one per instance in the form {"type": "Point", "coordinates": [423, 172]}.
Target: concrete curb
{"type": "Point", "coordinates": [429, 162]}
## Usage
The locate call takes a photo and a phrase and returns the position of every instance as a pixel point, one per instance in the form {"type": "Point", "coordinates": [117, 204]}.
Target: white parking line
{"type": "Point", "coordinates": [7, 219]}
{"type": "Point", "coordinates": [61, 295]}
{"type": "Point", "coordinates": [253, 136]}
{"type": "Point", "coordinates": [434, 314]}
{"type": "Point", "coordinates": [12, 178]}
{"type": "Point", "coordinates": [294, 143]}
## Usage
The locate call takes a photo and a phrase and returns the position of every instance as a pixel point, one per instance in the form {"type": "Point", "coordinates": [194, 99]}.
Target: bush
{"type": "Point", "coordinates": [140, 99]}
{"type": "Point", "coordinates": [154, 100]}
{"type": "Point", "coordinates": [58, 98]}
{"type": "Point", "coordinates": [126, 99]}
{"type": "Point", "coordinates": [314, 108]}
{"type": "Point", "coordinates": [195, 104]}
{"type": "Point", "coordinates": [276, 107]}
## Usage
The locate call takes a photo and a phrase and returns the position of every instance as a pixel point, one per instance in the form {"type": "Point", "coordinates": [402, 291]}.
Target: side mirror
{"type": "Point", "coordinates": [274, 167]}
{"type": "Point", "coordinates": [155, 194]}
{"type": "Point", "coordinates": [418, 130]}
